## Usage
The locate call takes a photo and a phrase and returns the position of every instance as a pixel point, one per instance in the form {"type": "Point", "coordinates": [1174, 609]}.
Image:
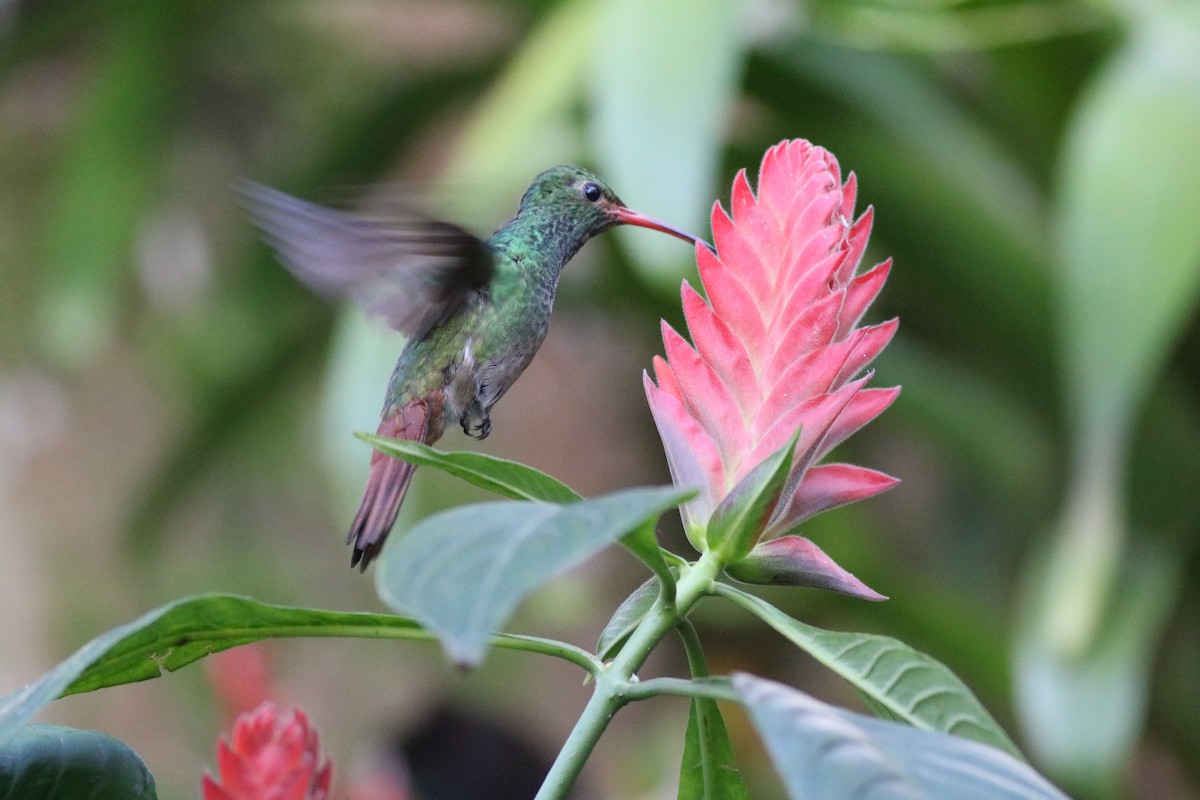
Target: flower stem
{"type": "Point", "coordinates": [613, 682]}
{"type": "Point", "coordinates": [579, 745]}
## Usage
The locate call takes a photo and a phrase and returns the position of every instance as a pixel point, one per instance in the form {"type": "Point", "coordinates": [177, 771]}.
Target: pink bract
{"type": "Point", "coordinates": [271, 756]}
{"type": "Point", "coordinates": [776, 347]}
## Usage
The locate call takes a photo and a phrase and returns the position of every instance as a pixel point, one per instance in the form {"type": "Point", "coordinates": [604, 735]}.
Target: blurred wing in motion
{"type": "Point", "coordinates": [414, 272]}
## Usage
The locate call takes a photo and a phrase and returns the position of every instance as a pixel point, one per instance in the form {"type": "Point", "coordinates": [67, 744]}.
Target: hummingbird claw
{"type": "Point", "coordinates": [477, 430]}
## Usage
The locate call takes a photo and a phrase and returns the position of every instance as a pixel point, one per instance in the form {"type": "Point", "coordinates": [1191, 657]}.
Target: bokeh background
{"type": "Point", "coordinates": [176, 412]}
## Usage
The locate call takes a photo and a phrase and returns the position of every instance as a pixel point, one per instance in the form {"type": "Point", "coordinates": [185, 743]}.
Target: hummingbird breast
{"type": "Point", "coordinates": [473, 359]}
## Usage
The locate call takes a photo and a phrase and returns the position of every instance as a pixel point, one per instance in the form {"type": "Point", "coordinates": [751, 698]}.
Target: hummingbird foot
{"type": "Point", "coordinates": [477, 429]}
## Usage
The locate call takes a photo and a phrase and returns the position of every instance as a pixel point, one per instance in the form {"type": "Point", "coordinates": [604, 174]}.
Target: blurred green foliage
{"type": "Point", "coordinates": [1034, 172]}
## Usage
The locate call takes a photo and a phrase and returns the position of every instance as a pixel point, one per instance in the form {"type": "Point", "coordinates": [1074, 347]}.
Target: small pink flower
{"type": "Point", "coordinates": [271, 756]}
{"type": "Point", "coordinates": [776, 349]}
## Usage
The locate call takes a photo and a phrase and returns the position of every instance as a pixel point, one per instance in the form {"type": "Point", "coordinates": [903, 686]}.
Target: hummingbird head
{"type": "Point", "coordinates": [575, 193]}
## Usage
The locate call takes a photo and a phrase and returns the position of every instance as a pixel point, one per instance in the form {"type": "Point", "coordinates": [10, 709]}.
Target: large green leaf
{"type": "Point", "coordinates": [51, 762]}
{"type": "Point", "coordinates": [181, 632]}
{"type": "Point", "coordinates": [462, 572]}
{"type": "Point", "coordinates": [510, 479]}
{"type": "Point", "coordinates": [1129, 251]}
{"type": "Point", "coordinates": [189, 629]}
{"type": "Point", "coordinates": [895, 680]}
{"type": "Point", "coordinates": [709, 770]}
{"type": "Point", "coordinates": [660, 96]}
{"type": "Point", "coordinates": [1126, 221]}
{"type": "Point", "coordinates": [825, 752]}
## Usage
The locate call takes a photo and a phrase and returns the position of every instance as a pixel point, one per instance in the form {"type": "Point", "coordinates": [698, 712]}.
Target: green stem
{"type": "Point", "coordinates": [718, 688]}
{"type": "Point", "coordinates": [615, 684]}
{"type": "Point", "coordinates": [691, 645]}
{"type": "Point", "coordinates": [600, 710]}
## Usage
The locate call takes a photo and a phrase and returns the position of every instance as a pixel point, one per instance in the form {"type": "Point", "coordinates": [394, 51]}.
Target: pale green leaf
{"type": "Point", "coordinates": [464, 571]}
{"type": "Point", "coordinates": [1129, 252]}
{"type": "Point", "coordinates": [821, 751]}
{"type": "Point", "coordinates": [661, 95]}
{"type": "Point", "coordinates": [1128, 201]}
{"type": "Point", "coordinates": [1083, 714]}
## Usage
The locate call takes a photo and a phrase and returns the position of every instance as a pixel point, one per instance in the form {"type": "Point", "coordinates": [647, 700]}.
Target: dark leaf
{"type": "Point", "coordinates": [52, 762]}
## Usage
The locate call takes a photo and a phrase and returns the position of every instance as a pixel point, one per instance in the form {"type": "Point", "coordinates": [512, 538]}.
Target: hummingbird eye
{"type": "Point", "coordinates": [591, 192]}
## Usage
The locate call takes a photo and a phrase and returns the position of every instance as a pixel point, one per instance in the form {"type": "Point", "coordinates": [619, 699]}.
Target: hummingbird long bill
{"type": "Point", "coordinates": [475, 312]}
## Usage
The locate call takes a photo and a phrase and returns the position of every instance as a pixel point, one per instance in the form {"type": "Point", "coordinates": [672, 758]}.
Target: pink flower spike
{"type": "Point", "coordinates": [776, 347]}
{"type": "Point", "coordinates": [271, 756]}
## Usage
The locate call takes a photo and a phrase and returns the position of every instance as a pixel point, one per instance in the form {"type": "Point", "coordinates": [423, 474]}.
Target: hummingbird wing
{"type": "Point", "coordinates": [412, 271]}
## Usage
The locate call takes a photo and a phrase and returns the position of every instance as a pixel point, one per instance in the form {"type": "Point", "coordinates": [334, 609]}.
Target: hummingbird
{"type": "Point", "coordinates": [475, 312]}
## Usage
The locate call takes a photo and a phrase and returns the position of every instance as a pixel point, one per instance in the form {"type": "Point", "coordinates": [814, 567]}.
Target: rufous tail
{"type": "Point", "coordinates": [387, 484]}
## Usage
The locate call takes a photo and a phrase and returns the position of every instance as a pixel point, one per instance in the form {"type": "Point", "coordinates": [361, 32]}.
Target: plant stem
{"type": "Point", "coordinates": [613, 682]}
{"type": "Point", "coordinates": [592, 722]}
{"type": "Point", "coordinates": [718, 688]}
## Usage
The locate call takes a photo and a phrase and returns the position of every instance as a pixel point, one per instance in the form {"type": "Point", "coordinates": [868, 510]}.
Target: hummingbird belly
{"type": "Point", "coordinates": [492, 371]}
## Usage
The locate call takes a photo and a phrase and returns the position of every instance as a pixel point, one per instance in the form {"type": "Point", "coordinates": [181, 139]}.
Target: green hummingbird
{"type": "Point", "coordinates": [475, 312]}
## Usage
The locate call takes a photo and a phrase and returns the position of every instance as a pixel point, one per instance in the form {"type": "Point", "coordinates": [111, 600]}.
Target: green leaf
{"type": "Point", "coordinates": [179, 633]}
{"type": "Point", "coordinates": [895, 680]}
{"type": "Point", "coordinates": [739, 520]}
{"type": "Point", "coordinates": [709, 769]}
{"type": "Point", "coordinates": [1126, 223]}
{"type": "Point", "coordinates": [823, 751]}
{"type": "Point", "coordinates": [506, 478]}
{"type": "Point", "coordinates": [627, 616]}
{"type": "Point", "coordinates": [186, 630]}
{"type": "Point", "coordinates": [1083, 715]}
{"type": "Point", "coordinates": [51, 762]}
{"type": "Point", "coordinates": [1129, 247]}
{"type": "Point", "coordinates": [106, 178]}
{"type": "Point", "coordinates": [661, 147]}
{"type": "Point", "coordinates": [462, 572]}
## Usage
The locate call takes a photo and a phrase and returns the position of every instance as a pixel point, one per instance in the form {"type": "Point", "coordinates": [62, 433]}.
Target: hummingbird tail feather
{"type": "Point", "coordinates": [386, 485]}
